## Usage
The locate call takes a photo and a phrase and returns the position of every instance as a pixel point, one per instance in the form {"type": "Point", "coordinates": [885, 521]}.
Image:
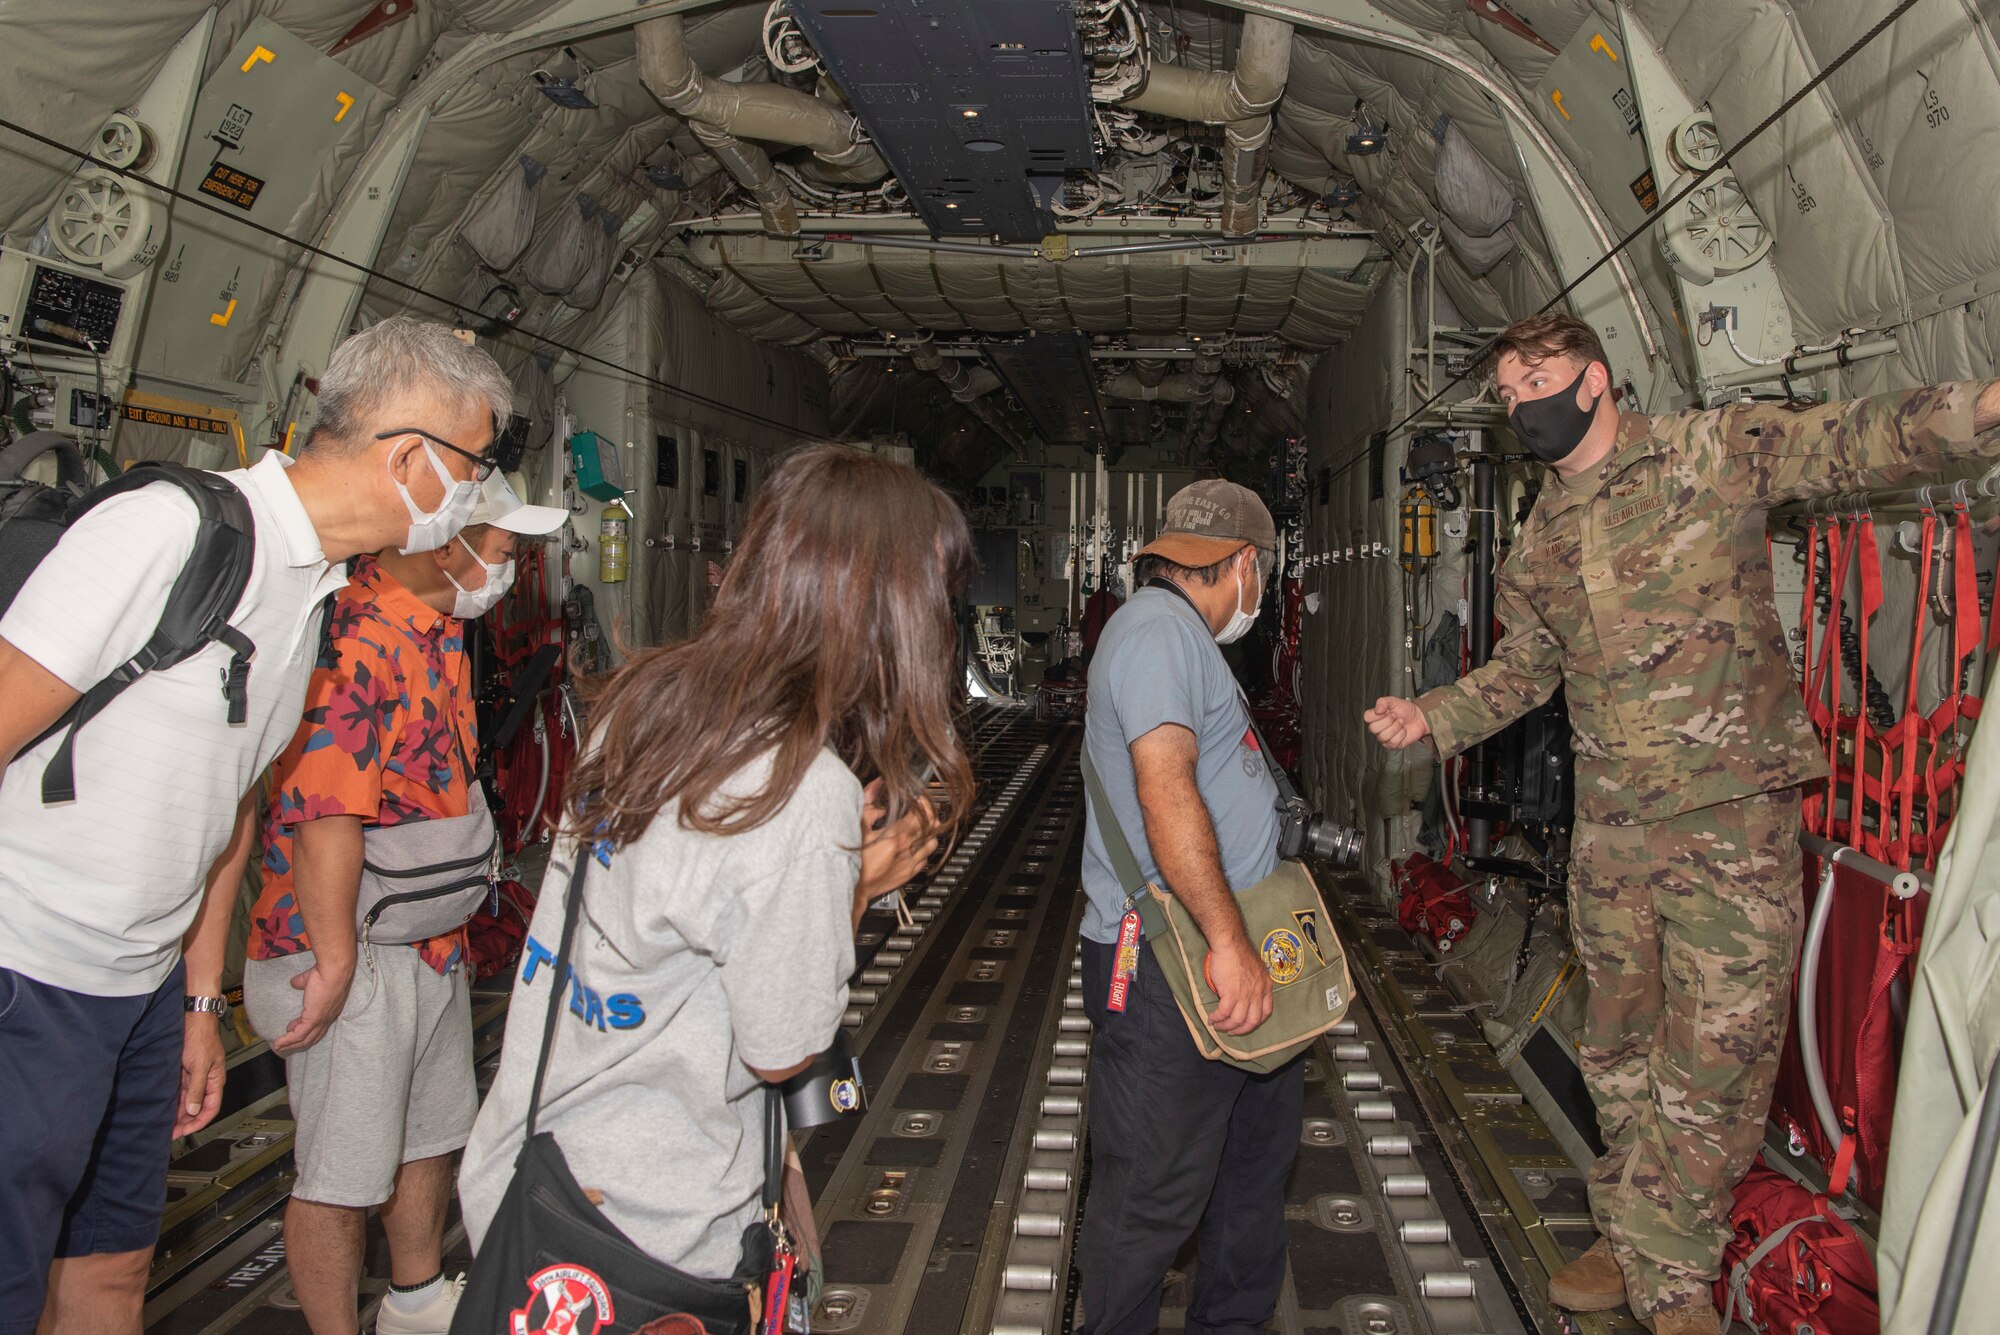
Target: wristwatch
{"type": "Point", "coordinates": [216, 1006]}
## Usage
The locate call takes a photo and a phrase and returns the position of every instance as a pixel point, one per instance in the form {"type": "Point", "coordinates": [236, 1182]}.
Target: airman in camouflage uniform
{"type": "Point", "coordinates": [1641, 584]}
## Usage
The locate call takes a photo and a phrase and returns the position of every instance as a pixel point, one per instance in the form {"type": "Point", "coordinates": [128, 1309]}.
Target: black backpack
{"type": "Point", "coordinates": [33, 518]}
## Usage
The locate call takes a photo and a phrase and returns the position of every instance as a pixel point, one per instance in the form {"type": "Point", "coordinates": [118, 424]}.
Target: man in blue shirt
{"type": "Point", "coordinates": [1180, 1143]}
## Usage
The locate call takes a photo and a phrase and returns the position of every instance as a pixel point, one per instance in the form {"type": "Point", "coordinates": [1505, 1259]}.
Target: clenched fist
{"type": "Point", "coordinates": [1397, 723]}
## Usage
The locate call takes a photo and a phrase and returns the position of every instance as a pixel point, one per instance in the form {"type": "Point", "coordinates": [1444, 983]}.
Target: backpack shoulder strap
{"type": "Point", "coordinates": [203, 598]}
{"type": "Point", "coordinates": [70, 472]}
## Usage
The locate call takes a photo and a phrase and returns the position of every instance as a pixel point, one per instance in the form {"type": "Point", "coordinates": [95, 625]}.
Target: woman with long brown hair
{"type": "Point", "coordinates": [744, 794]}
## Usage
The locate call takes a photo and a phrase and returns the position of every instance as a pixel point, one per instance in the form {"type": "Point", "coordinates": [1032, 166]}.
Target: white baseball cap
{"type": "Point", "coordinates": [501, 506]}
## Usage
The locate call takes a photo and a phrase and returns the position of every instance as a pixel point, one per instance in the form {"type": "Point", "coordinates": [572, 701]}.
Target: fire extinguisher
{"type": "Point", "coordinates": [614, 531]}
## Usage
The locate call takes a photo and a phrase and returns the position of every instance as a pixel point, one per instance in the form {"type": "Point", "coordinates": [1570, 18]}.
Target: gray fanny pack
{"type": "Point", "coordinates": [424, 878]}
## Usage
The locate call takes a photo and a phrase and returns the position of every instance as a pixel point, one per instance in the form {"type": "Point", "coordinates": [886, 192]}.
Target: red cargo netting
{"type": "Point", "coordinates": [1895, 778]}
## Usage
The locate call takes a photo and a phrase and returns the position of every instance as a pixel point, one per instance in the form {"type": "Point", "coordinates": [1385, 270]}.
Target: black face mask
{"type": "Point", "coordinates": [1552, 428]}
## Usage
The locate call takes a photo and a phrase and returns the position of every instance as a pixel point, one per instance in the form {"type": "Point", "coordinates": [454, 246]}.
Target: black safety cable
{"type": "Point", "coordinates": [636, 376]}
{"type": "Point", "coordinates": [1479, 356]}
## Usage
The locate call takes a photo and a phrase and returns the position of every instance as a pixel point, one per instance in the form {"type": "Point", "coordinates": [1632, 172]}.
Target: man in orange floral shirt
{"type": "Point", "coordinates": [377, 1038]}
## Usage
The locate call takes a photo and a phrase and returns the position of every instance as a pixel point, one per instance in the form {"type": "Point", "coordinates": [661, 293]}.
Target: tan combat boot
{"type": "Point", "coordinates": [1693, 1319]}
{"type": "Point", "coordinates": [1590, 1283]}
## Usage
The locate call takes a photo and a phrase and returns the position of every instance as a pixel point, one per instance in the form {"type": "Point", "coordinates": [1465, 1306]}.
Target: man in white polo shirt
{"type": "Point", "coordinates": [109, 1047]}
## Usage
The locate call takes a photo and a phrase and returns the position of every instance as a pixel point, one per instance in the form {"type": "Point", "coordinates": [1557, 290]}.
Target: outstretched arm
{"type": "Point", "coordinates": [1767, 454]}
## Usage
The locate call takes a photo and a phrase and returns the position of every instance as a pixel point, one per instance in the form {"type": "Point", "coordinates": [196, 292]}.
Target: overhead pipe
{"type": "Point", "coordinates": [1184, 387]}
{"type": "Point", "coordinates": [1219, 400]}
{"type": "Point", "coordinates": [1807, 363]}
{"type": "Point", "coordinates": [970, 388]}
{"type": "Point", "coordinates": [1241, 101]}
{"type": "Point", "coordinates": [751, 168]}
{"type": "Point", "coordinates": [723, 114]}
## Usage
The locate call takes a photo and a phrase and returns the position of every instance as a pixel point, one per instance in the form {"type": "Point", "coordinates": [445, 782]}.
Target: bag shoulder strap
{"type": "Point", "coordinates": [1124, 864]}
{"type": "Point", "coordinates": [558, 980]}
{"type": "Point", "coordinates": [203, 598]}
{"type": "Point", "coordinates": [774, 1106]}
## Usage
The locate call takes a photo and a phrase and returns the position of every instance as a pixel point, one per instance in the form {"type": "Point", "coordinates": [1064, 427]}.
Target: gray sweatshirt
{"type": "Point", "coordinates": [697, 958]}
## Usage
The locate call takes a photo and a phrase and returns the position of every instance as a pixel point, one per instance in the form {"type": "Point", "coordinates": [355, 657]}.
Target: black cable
{"type": "Point", "coordinates": [637, 376]}
{"type": "Point", "coordinates": [1479, 356]}
{"type": "Point", "coordinates": [97, 410]}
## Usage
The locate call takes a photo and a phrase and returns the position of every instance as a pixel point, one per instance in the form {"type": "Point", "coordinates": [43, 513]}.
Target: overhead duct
{"type": "Point", "coordinates": [723, 114]}
{"type": "Point", "coordinates": [1218, 405]}
{"type": "Point", "coordinates": [1186, 387]}
{"type": "Point", "coordinates": [969, 388]}
{"type": "Point", "coordinates": [1241, 101]}
{"type": "Point", "coordinates": [1211, 396]}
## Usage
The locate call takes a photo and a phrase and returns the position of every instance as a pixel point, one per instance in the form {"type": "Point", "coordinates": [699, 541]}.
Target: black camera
{"type": "Point", "coordinates": [1303, 832]}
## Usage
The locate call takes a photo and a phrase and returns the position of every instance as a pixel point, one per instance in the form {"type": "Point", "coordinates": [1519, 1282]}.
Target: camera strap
{"type": "Point", "coordinates": [1287, 794]}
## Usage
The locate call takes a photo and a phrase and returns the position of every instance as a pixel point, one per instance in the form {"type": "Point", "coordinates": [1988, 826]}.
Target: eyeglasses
{"type": "Point", "coordinates": [485, 463]}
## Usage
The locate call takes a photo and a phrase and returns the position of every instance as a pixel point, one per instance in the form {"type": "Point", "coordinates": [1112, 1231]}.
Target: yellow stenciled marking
{"type": "Point", "coordinates": [346, 101]}
{"type": "Point", "coordinates": [1557, 98]}
{"type": "Point", "coordinates": [223, 318]}
{"type": "Point", "coordinates": [1597, 43]}
{"type": "Point", "coordinates": [260, 53]}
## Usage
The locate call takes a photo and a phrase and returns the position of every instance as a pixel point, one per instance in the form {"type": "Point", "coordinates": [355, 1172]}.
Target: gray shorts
{"type": "Point", "coordinates": [390, 1083]}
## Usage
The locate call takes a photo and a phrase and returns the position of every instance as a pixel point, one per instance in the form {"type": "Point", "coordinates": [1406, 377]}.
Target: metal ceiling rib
{"type": "Point", "coordinates": [979, 109]}
{"type": "Point", "coordinates": [1051, 375]}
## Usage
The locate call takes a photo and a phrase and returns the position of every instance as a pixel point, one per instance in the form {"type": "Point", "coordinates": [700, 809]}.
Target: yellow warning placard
{"type": "Point", "coordinates": [157, 410]}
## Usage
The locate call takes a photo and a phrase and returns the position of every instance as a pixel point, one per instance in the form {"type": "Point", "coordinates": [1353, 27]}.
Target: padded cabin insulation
{"type": "Point", "coordinates": [855, 291]}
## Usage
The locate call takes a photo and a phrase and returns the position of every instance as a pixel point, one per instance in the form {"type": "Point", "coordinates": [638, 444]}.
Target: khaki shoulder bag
{"type": "Point", "coordinates": [1286, 920]}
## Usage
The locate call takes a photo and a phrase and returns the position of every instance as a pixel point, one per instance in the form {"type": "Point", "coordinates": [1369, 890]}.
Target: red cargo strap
{"type": "Point", "coordinates": [1842, 1167]}
{"type": "Point", "coordinates": [1874, 1069]}
{"type": "Point", "coordinates": [1812, 679]}
{"type": "Point", "coordinates": [1895, 791]}
{"type": "Point", "coordinates": [1823, 672]}
{"type": "Point", "coordinates": [1945, 769]}
{"type": "Point", "coordinates": [1870, 556]}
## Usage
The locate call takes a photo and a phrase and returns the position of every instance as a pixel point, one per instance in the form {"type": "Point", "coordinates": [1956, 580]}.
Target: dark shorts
{"type": "Point", "coordinates": [89, 1086]}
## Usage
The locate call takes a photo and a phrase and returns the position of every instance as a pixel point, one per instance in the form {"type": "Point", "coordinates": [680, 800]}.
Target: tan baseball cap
{"type": "Point", "coordinates": [1212, 519]}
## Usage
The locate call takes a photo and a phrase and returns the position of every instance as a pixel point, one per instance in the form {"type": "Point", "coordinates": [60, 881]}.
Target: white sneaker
{"type": "Point", "coordinates": [433, 1318]}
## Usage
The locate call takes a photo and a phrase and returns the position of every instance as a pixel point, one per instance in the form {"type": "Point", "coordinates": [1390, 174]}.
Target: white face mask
{"type": "Point", "coordinates": [428, 532]}
{"type": "Point", "coordinates": [1240, 621]}
{"type": "Point", "coordinates": [471, 604]}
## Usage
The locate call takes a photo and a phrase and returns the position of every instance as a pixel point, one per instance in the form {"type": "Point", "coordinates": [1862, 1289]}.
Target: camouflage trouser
{"type": "Point", "coordinates": [1688, 929]}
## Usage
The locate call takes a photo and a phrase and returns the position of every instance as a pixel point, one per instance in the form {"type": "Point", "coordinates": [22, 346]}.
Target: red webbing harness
{"type": "Point", "coordinates": [1901, 782]}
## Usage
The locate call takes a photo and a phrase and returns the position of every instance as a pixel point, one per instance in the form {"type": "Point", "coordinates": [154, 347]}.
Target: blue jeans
{"type": "Point", "coordinates": [1180, 1143]}
{"type": "Point", "coordinates": [89, 1086]}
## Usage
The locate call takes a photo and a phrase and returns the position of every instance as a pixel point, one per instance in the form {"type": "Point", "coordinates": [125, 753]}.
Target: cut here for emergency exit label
{"type": "Point", "coordinates": [232, 186]}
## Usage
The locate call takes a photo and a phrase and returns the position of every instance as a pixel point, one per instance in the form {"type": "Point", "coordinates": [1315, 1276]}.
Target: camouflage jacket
{"type": "Point", "coordinates": [1644, 589]}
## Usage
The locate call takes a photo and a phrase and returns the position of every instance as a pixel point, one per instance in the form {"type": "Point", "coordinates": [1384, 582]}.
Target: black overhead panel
{"type": "Point", "coordinates": [979, 108]}
{"type": "Point", "coordinates": [1050, 374]}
